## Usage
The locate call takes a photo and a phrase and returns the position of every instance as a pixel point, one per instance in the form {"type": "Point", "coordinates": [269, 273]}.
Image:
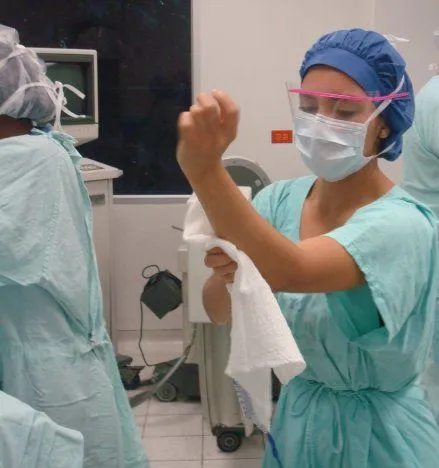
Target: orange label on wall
{"type": "Point", "coordinates": [282, 136]}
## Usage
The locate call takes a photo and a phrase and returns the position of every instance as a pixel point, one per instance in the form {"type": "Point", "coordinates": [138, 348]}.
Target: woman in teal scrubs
{"type": "Point", "coordinates": [351, 257]}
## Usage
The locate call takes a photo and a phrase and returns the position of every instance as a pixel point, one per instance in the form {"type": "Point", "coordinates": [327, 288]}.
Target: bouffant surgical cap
{"type": "Point", "coordinates": [371, 61]}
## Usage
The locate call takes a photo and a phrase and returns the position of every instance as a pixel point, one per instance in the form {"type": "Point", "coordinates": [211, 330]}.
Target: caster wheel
{"type": "Point", "coordinates": [167, 393]}
{"type": "Point", "coordinates": [229, 442]}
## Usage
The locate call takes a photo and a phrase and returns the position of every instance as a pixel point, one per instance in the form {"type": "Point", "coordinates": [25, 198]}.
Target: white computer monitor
{"type": "Point", "coordinates": [79, 68]}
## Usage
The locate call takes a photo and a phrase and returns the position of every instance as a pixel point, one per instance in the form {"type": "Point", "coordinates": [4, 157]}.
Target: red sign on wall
{"type": "Point", "coordinates": [282, 136]}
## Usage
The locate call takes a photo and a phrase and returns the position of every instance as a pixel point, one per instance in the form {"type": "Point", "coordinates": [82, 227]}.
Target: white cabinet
{"type": "Point", "coordinates": [99, 182]}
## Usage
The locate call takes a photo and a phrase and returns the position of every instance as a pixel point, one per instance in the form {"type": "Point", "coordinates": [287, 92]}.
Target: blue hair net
{"type": "Point", "coordinates": [370, 60]}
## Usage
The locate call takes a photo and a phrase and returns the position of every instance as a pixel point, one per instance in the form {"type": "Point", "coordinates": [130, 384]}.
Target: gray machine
{"type": "Point", "coordinates": [212, 345]}
{"type": "Point", "coordinates": [246, 173]}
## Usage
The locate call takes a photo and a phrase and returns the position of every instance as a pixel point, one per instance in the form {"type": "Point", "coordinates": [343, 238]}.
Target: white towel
{"type": "Point", "coordinates": [260, 337]}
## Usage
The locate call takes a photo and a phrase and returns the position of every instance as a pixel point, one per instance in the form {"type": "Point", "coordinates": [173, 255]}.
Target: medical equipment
{"type": "Point", "coordinates": [212, 346]}
{"type": "Point", "coordinates": [77, 67]}
{"type": "Point", "coordinates": [162, 294]}
{"type": "Point", "coordinates": [207, 346]}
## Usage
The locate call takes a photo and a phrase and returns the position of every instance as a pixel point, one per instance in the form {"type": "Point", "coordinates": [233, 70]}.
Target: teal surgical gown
{"type": "Point", "coordinates": [55, 354]}
{"type": "Point", "coordinates": [421, 180]}
{"type": "Point", "coordinates": [29, 439]}
{"type": "Point", "coordinates": [421, 148]}
{"type": "Point", "coordinates": [358, 404]}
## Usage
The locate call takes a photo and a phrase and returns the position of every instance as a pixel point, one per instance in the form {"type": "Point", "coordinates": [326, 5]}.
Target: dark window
{"type": "Point", "coordinates": [144, 52]}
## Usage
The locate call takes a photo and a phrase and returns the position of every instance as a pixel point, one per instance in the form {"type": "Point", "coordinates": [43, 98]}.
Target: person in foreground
{"type": "Point", "coordinates": [55, 354]}
{"type": "Point", "coordinates": [30, 439]}
{"type": "Point", "coordinates": [351, 257]}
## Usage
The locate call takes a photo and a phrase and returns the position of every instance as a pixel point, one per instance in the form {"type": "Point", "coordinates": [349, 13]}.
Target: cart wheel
{"type": "Point", "coordinates": [229, 442]}
{"type": "Point", "coordinates": [167, 393]}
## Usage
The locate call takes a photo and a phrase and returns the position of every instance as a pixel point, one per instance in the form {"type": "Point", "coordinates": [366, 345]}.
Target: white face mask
{"type": "Point", "coordinates": [334, 149]}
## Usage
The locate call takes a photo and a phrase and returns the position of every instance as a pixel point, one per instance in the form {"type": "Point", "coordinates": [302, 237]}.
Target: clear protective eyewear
{"type": "Point", "coordinates": [355, 108]}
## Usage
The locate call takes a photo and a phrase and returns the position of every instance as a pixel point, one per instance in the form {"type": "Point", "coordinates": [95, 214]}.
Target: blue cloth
{"type": "Point", "coordinates": [29, 439]}
{"type": "Point", "coordinates": [358, 403]}
{"type": "Point", "coordinates": [55, 354]}
{"type": "Point", "coordinates": [421, 180]}
{"type": "Point", "coordinates": [370, 60]}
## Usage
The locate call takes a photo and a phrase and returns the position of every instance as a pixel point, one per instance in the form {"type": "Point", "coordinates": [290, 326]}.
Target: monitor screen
{"type": "Point", "coordinates": [77, 74]}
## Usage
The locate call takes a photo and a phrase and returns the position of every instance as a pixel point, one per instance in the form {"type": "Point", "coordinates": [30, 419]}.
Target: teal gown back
{"type": "Point", "coordinates": [55, 354]}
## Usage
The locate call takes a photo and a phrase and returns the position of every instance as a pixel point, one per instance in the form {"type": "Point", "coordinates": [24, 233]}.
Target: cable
{"type": "Point", "coordinates": [141, 338]}
{"type": "Point", "coordinates": [147, 394]}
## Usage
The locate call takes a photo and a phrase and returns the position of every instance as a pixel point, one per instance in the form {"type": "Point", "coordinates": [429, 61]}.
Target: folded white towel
{"type": "Point", "coordinates": [260, 337]}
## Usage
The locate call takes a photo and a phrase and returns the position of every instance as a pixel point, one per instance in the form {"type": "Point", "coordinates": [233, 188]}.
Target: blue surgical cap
{"type": "Point", "coordinates": [370, 60]}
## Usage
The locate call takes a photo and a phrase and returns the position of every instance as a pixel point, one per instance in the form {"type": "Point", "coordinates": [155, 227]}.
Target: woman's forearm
{"type": "Point", "coordinates": [235, 220]}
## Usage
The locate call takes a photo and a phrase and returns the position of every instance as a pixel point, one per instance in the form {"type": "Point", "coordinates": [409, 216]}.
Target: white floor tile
{"type": "Point", "coordinates": [207, 429]}
{"type": "Point", "coordinates": [251, 448]}
{"type": "Point", "coordinates": [177, 464]}
{"type": "Point", "coordinates": [173, 425]}
{"type": "Point", "coordinates": [142, 409]}
{"type": "Point", "coordinates": [140, 421]}
{"type": "Point", "coordinates": [174, 448]}
{"type": "Point", "coordinates": [158, 408]}
{"type": "Point", "coordinates": [232, 464]}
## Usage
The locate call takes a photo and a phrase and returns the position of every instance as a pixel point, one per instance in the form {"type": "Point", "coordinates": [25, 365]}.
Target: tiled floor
{"type": "Point", "coordinates": [175, 434]}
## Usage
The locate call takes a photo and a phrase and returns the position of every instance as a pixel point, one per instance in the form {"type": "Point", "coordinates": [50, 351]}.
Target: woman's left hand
{"type": "Point", "coordinates": [205, 132]}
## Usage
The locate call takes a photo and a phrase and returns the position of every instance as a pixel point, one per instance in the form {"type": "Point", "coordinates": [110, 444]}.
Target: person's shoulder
{"type": "Point", "coordinates": [403, 213]}
{"type": "Point", "coordinates": [427, 98]}
{"type": "Point", "coordinates": [48, 147]}
{"type": "Point", "coordinates": [40, 146]}
{"type": "Point", "coordinates": [37, 156]}
{"type": "Point", "coordinates": [431, 89]}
